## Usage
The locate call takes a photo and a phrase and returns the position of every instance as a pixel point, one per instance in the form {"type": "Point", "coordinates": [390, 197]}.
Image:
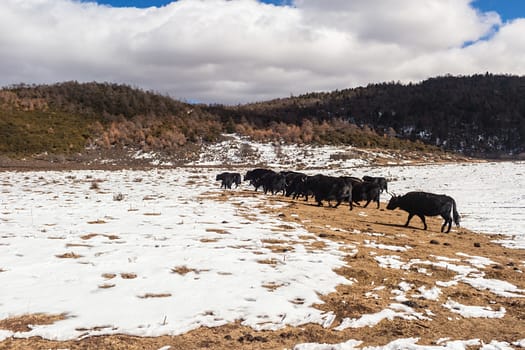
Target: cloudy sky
{"type": "Point", "coordinates": [220, 51]}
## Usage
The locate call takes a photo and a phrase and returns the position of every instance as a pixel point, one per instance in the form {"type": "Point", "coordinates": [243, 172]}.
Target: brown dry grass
{"type": "Point", "coordinates": [353, 229]}
{"type": "Point", "coordinates": [96, 222]}
{"type": "Point", "coordinates": [72, 245]}
{"type": "Point", "coordinates": [209, 240]}
{"type": "Point", "coordinates": [22, 323]}
{"type": "Point", "coordinates": [70, 255]}
{"type": "Point", "coordinates": [182, 270]}
{"type": "Point", "coordinates": [89, 236]}
{"type": "Point", "coordinates": [154, 295]}
{"type": "Point", "coordinates": [218, 230]}
{"type": "Point", "coordinates": [92, 235]}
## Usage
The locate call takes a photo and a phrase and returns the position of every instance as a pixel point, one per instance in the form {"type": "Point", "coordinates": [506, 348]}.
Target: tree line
{"type": "Point", "coordinates": [476, 115]}
{"type": "Point", "coordinates": [481, 115]}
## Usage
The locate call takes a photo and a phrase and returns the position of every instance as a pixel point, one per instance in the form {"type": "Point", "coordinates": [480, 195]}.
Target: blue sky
{"type": "Point", "coordinates": [507, 9]}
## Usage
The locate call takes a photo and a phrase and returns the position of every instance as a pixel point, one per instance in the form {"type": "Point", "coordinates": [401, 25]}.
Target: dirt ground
{"type": "Point", "coordinates": [371, 292]}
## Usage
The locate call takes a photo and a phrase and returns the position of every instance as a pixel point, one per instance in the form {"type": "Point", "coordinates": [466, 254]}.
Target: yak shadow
{"type": "Point", "coordinates": [401, 226]}
{"type": "Point", "coordinates": [314, 204]}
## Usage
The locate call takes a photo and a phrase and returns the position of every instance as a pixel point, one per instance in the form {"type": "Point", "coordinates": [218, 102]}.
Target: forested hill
{"type": "Point", "coordinates": [70, 117]}
{"type": "Point", "coordinates": [481, 115]}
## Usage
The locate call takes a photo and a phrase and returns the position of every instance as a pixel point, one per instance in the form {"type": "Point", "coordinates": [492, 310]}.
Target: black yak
{"type": "Point", "coordinates": [255, 176]}
{"type": "Point", "coordinates": [273, 182]}
{"type": "Point", "coordinates": [295, 186]}
{"type": "Point", "coordinates": [329, 188]}
{"type": "Point", "coordinates": [227, 179]}
{"type": "Point", "coordinates": [366, 191]}
{"type": "Point", "coordinates": [381, 181]}
{"type": "Point", "coordinates": [426, 204]}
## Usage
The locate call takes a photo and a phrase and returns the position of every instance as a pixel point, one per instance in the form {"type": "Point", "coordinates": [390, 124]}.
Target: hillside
{"type": "Point", "coordinates": [71, 117]}
{"type": "Point", "coordinates": [480, 116]}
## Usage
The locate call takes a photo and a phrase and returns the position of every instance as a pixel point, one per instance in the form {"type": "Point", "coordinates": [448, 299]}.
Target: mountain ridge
{"type": "Point", "coordinates": [480, 115]}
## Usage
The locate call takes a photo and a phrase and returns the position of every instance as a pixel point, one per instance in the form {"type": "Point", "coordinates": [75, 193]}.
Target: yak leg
{"type": "Point", "coordinates": [422, 217]}
{"type": "Point", "coordinates": [449, 225]}
{"type": "Point", "coordinates": [410, 215]}
{"type": "Point", "coordinates": [367, 202]}
{"type": "Point", "coordinates": [448, 220]}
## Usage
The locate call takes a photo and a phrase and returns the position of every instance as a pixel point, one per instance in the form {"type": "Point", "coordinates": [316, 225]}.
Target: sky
{"type": "Point", "coordinates": [507, 9]}
{"type": "Point", "coordinates": [239, 51]}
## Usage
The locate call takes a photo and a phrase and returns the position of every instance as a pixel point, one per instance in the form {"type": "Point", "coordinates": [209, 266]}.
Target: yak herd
{"type": "Point", "coordinates": [345, 188]}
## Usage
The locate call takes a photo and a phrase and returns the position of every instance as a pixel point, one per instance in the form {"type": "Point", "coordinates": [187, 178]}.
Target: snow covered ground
{"type": "Point", "coordinates": [68, 248]}
{"type": "Point", "coordinates": [137, 252]}
{"type": "Point", "coordinates": [490, 196]}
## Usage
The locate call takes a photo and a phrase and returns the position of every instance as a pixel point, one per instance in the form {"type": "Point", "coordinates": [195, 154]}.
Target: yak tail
{"type": "Point", "coordinates": [455, 212]}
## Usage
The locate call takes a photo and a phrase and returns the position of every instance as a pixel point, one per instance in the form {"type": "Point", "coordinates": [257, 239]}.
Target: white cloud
{"type": "Point", "coordinates": [428, 24]}
{"type": "Point", "coordinates": [243, 50]}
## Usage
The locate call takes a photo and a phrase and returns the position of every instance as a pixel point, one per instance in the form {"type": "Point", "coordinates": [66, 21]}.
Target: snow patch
{"type": "Point", "coordinates": [468, 311]}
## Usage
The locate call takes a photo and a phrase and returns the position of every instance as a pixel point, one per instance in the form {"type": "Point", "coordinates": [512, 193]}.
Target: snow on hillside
{"type": "Point", "coordinates": [240, 151]}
